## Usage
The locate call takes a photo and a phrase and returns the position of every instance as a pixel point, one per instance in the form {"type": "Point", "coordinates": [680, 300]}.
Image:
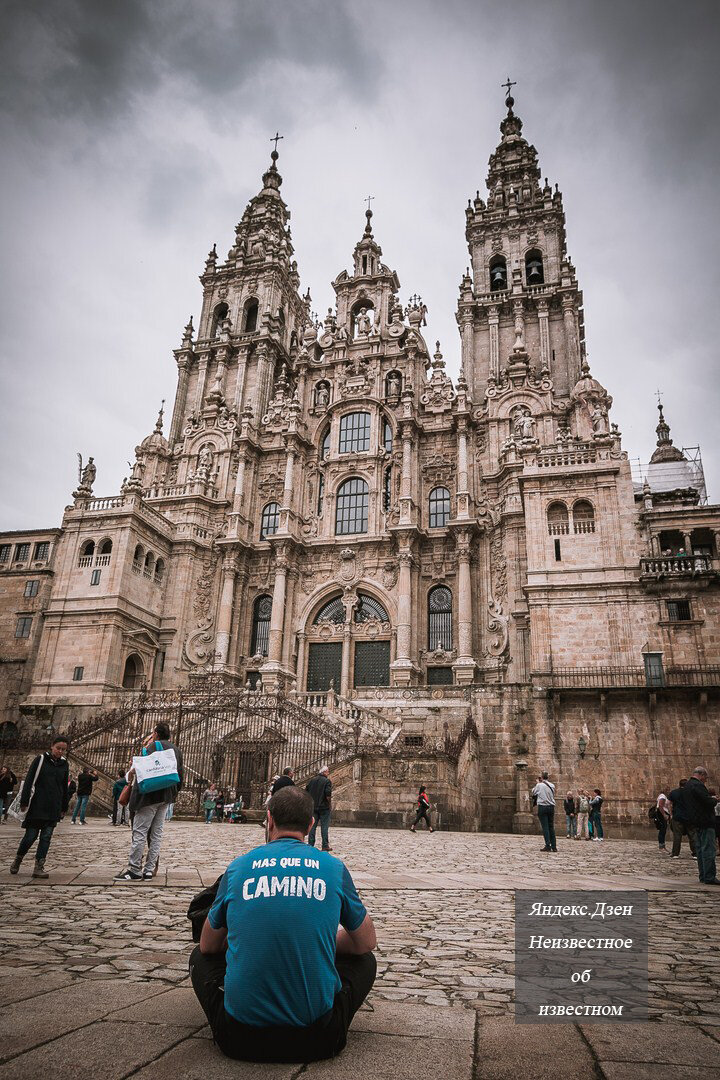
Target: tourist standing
{"type": "Point", "coordinates": [544, 797]}
{"type": "Point", "coordinates": [8, 780]}
{"type": "Point", "coordinates": [570, 808]}
{"type": "Point", "coordinates": [219, 806]}
{"type": "Point", "coordinates": [596, 820]}
{"type": "Point", "coordinates": [148, 811]}
{"type": "Point", "coordinates": [583, 808]}
{"type": "Point", "coordinates": [117, 790]}
{"type": "Point", "coordinates": [663, 806]}
{"type": "Point", "coordinates": [320, 788]}
{"type": "Point", "coordinates": [700, 805]}
{"type": "Point", "coordinates": [679, 822]}
{"type": "Point", "coordinates": [209, 798]}
{"type": "Point", "coordinates": [286, 780]}
{"type": "Point", "coordinates": [45, 796]}
{"type": "Point", "coordinates": [85, 782]}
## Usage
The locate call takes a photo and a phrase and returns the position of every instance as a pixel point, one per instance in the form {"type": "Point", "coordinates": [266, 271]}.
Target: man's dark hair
{"type": "Point", "coordinates": [545, 775]}
{"type": "Point", "coordinates": [288, 771]}
{"type": "Point", "coordinates": [61, 738]}
{"type": "Point", "coordinates": [291, 808]}
{"type": "Point", "coordinates": [121, 774]}
{"type": "Point", "coordinates": [597, 791]}
{"type": "Point", "coordinates": [162, 731]}
{"type": "Point", "coordinates": [683, 781]}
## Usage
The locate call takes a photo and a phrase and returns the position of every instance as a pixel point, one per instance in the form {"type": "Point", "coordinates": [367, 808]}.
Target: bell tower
{"type": "Point", "coordinates": [520, 290]}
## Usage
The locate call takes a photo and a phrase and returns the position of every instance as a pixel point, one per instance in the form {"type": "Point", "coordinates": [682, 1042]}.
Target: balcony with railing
{"type": "Point", "coordinates": [624, 678]}
{"type": "Point", "coordinates": [675, 566]}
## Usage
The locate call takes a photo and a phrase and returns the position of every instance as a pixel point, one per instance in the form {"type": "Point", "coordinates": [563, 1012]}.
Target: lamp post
{"type": "Point", "coordinates": [582, 746]}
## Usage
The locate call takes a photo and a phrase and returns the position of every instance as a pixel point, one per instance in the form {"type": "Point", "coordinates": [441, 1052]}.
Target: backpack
{"type": "Point", "coordinates": [199, 907]}
{"type": "Point", "coordinates": [655, 816]}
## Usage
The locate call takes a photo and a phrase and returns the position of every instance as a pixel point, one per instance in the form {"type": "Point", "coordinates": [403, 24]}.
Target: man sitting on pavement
{"type": "Point", "coordinates": [285, 956]}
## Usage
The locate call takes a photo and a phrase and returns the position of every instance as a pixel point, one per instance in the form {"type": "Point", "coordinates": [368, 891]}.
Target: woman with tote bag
{"type": "Point", "coordinates": [158, 779]}
{"type": "Point", "coordinates": [42, 802]}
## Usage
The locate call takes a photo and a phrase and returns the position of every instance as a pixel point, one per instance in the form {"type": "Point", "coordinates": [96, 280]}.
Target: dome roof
{"type": "Point", "coordinates": [586, 386]}
{"type": "Point", "coordinates": [156, 443]}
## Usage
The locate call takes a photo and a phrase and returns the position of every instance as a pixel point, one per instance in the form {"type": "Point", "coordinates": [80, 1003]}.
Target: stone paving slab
{"type": "Point", "coordinates": [391, 1057]}
{"type": "Point", "coordinates": [178, 1006]}
{"type": "Point", "coordinates": [395, 1018]}
{"type": "Point", "coordinates": [664, 1044]}
{"type": "Point", "coordinates": [99, 1051]}
{"type": "Point", "coordinates": [505, 1050]}
{"type": "Point", "coordinates": [198, 1059]}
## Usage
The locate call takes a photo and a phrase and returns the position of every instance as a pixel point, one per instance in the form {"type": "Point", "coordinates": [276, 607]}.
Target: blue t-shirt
{"type": "Point", "coordinates": [281, 905]}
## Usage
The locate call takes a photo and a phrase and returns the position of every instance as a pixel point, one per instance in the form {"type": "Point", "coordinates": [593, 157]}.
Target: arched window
{"type": "Point", "coordinates": [583, 517]}
{"type": "Point", "coordinates": [387, 489]}
{"type": "Point", "coordinates": [8, 733]}
{"type": "Point", "coordinates": [355, 433]}
{"type": "Point", "coordinates": [105, 547]}
{"type": "Point", "coordinates": [250, 316]}
{"type": "Point", "coordinates": [534, 273]}
{"type": "Point", "coordinates": [86, 553]}
{"type": "Point", "coordinates": [557, 519]}
{"type": "Point", "coordinates": [332, 612]}
{"type": "Point", "coordinates": [498, 274]}
{"type": "Point", "coordinates": [270, 520]}
{"type": "Point", "coordinates": [260, 637]}
{"type": "Point", "coordinates": [368, 607]}
{"type": "Point", "coordinates": [159, 570]}
{"type": "Point", "coordinates": [138, 557]}
{"type": "Point", "coordinates": [325, 443]}
{"type": "Point", "coordinates": [149, 564]}
{"type": "Point", "coordinates": [351, 514]}
{"type": "Point", "coordinates": [387, 437]}
{"type": "Point", "coordinates": [439, 507]}
{"type": "Point", "coordinates": [221, 313]}
{"type": "Point", "coordinates": [133, 673]}
{"type": "Point", "coordinates": [440, 634]}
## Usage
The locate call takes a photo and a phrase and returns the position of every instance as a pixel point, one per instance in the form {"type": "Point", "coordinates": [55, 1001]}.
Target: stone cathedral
{"type": "Point", "coordinates": [329, 518]}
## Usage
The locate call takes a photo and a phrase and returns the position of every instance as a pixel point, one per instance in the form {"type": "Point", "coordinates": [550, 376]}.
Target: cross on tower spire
{"type": "Point", "coordinates": [369, 199]}
{"type": "Point", "coordinates": [276, 139]}
{"type": "Point", "coordinates": [509, 100]}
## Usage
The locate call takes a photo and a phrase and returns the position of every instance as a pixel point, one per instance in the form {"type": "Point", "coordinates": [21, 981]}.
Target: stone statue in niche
{"type": "Point", "coordinates": [393, 384]}
{"type": "Point", "coordinates": [322, 395]}
{"type": "Point", "coordinates": [363, 323]}
{"type": "Point", "coordinates": [523, 424]}
{"type": "Point", "coordinates": [205, 460]}
{"type": "Point", "coordinates": [599, 418]}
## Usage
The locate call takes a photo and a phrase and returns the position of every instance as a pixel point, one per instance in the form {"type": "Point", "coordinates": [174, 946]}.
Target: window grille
{"type": "Point", "coordinates": [22, 553]}
{"type": "Point", "coordinates": [355, 433]}
{"type": "Point", "coordinates": [369, 608]}
{"type": "Point", "coordinates": [679, 610]}
{"type": "Point", "coordinates": [31, 588]}
{"type": "Point", "coordinates": [42, 551]}
{"type": "Point", "coordinates": [351, 514]}
{"type": "Point", "coordinates": [332, 612]}
{"type": "Point", "coordinates": [387, 437]}
{"type": "Point", "coordinates": [5, 552]}
{"type": "Point", "coordinates": [260, 640]}
{"type": "Point", "coordinates": [440, 618]}
{"type": "Point", "coordinates": [95, 577]}
{"type": "Point", "coordinates": [78, 674]}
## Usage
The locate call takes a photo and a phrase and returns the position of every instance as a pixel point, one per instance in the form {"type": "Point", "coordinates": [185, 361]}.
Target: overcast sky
{"type": "Point", "coordinates": [135, 131]}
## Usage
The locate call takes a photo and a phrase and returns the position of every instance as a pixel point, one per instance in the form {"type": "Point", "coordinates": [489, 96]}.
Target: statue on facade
{"type": "Point", "coordinates": [599, 418]}
{"type": "Point", "coordinates": [322, 395]}
{"type": "Point", "coordinates": [205, 460]}
{"type": "Point", "coordinates": [86, 475]}
{"type": "Point", "coordinates": [523, 424]}
{"type": "Point", "coordinates": [363, 323]}
{"type": "Point", "coordinates": [393, 384]}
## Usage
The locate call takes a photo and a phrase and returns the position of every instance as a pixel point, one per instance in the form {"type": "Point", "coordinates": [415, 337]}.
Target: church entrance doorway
{"type": "Point", "coordinates": [349, 645]}
{"type": "Point", "coordinates": [324, 665]}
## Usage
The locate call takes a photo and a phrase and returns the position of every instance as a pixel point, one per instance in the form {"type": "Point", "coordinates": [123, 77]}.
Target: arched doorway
{"type": "Point", "coordinates": [349, 642]}
{"type": "Point", "coordinates": [134, 673]}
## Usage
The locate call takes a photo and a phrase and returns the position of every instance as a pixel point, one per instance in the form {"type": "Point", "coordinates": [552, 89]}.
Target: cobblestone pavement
{"type": "Point", "coordinates": [442, 904]}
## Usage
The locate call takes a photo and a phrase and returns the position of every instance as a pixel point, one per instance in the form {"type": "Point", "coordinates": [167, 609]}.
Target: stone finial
{"type": "Point", "coordinates": [159, 421]}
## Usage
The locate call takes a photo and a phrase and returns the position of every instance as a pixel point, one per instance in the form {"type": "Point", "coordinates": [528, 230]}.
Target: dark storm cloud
{"type": "Point", "coordinates": [91, 59]}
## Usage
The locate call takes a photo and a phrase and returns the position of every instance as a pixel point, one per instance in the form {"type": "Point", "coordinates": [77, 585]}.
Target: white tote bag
{"type": "Point", "coordinates": [14, 807]}
{"type": "Point", "coordinates": [155, 770]}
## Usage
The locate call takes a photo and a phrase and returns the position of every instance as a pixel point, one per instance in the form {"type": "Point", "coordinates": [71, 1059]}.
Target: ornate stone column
{"type": "Point", "coordinates": [272, 668]}
{"type": "Point", "coordinates": [225, 613]}
{"type": "Point", "coordinates": [289, 474]}
{"type": "Point", "coordinates": [202, 376]}
{"type": "Point", "coordinates": [523, 820]}
{"type": "Point", "coordinates": [406, 475]}
{"type": "Point", "coordinates": [464, 666]}
{"type": "Point", "coordinates": [178, 416]}
{"type": "Point", "coordinates": [494, 328]}
{"type": "Point", "coordinates": [571, 337]}
{"type": "Point", "coordinates": [463, 495]}
{"type": "Point", "coordinates": [542, 309]}
{"type": "Point", "coordinates": [402, 667]}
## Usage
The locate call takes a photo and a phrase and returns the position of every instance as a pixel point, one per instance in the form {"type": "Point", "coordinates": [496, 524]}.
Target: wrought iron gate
{"type": "Point", "coordinates": [372, 663]}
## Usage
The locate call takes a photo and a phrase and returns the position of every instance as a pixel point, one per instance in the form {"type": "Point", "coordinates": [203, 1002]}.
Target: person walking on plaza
{"type": "Point", "coordinates": [583, 808]}
{"type": "Point", "coordinates": [422, 811]}
{"type": "Point", "coordinates": [8, 780]}
{"type": "Point", "coordinates": [147, 811]}
{"type": "Point", "coordinates": [570, 808]}
{"type": "Point", "coordinates": [85, 782]}
{"type": "Point", "coordinates": [320, 788]}
{"type": "Point", "coordinates": [285, 958]}
{"type": "Point", "coordinates": [45, 796]}
{"type": "Point", "coordinates": [700, 805]}
{"type": "Point", "coordinates": [209, 797]}
{"type": "Point", "coordinates": [544, 797]}
{"type": "Point", "coordinates": [286, 780]}
{"type": "Point", "coordinates": [663, 807]}
{"type": "Point", "coordinates": [595, 819]}
{"type": "Point", "coordinates": [679, 822]}
{"type": "Point", "coordinates": [117, 790]}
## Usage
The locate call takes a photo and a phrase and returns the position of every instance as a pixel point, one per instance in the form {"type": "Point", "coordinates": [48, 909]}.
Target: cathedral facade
{"type": "Point", "coordinates": [327, 515]}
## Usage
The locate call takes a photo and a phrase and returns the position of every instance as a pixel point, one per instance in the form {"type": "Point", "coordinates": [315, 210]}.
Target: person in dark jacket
{"type": "Point", "coordinates": [286, 780]}
{"type": "Point", "coordinates": [320, 788]}
{"type": "Point", "coordinates": [700, 807]}
{"type": "Point", "coordinates": [147, 813]}
{"type": "Point", "coordinates": [8, 780]}
{"type": "Point", "coordinates": [85, 782]}
{"type": "Point", "coordinates": [45, 805]}
{"type": "Point", "coordinates": [117, 790]}
{"type": "Point", "coordinates": [422, 811]}
{"type": "Point", "coordinates": [570, 808]}
{"type": "Point", "coordinates": [679, 821]}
